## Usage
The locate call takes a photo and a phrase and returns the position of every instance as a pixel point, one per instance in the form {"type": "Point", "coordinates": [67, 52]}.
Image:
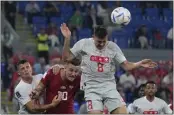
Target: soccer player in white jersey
{"type": "Point", "coordinates": [149, 104]}
{"type": "Point", "coordinates": [24, 88]}
{"type": "Point", "coordinates": [99, 58]}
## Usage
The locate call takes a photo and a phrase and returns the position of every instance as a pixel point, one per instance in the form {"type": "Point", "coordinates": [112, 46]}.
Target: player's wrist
{"type": "Point", "coordinates": [137, 64]}
{"type": "Point", "coordinates": [38, 92]}
{"type": "Point", "coordinates": [67, 38]}
{"type": "Point", "coordinates": [52, 105]}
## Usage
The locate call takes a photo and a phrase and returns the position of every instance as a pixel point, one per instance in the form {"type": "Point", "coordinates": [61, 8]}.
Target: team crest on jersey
{"type": "Point", "coordinates": [71, 86]}
{"type": "Point", "coordinates": [62, 87]}
{"type": "Point", "coordinates": [99, 59]}
{"type": "Point", "coordinates": [18, 94]}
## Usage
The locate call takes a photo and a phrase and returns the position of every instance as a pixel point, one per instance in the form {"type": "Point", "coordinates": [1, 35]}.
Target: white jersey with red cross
{"type": "Point", "coordinates": [98, 66]}
{"type": "Point", "coordinates": [144, 106]}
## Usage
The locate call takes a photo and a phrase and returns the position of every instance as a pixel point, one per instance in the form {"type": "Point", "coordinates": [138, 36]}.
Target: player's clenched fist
{"type": "Point", "coordinates": [34, 94]}
{"type": "Point", "coordinates": [65, 31]}
{"type": "Point", "coordinates": [56, 100]}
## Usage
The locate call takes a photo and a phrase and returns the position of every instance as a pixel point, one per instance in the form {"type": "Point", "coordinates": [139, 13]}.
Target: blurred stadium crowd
{"type": "Point", "coordinates": [151, 27]}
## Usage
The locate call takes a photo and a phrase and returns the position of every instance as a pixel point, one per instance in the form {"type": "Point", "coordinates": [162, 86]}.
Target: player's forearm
{"type": "Point", "coordinates": [43, 108]}
{"type": "Point", "coordinates": [66, 49]}
{"type": "Point", "coordinates": [39, 108]}
{"type": "Point", "coordinates": [130, 65]}
{"type": "Point", "coordinates": [40, 87]}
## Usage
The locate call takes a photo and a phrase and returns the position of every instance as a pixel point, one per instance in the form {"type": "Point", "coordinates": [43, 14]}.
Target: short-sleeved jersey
{"type": "Point", "coordinates": [143, 106]}
{"type": "Point", "coordinates": [98, 65]}
{"type": "Point", "coordinates": [55, 84]}
{"type": "Point", "coordinates": [23, 90]}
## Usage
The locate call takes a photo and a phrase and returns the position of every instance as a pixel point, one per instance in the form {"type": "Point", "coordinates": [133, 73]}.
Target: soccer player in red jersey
{"type": "Point", "coordinates": [66, 82]}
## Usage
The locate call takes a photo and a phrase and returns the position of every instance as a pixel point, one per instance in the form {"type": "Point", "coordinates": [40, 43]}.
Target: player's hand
{"type": "Point", "coordinates": [148, 63]}
{"type": "Point", "coordinates": [55, 69]}
{"type": "Point", "coordinates": [65, 31]}
{"type": "Point", "coordinates": [56, 100]}
{"type": "Point", "coordinates": [34, 94]}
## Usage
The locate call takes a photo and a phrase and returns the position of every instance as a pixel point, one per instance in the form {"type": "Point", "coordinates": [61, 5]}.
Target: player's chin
{"type": "Point", "coordinates": [151, 94]}
{"type": "Point", "coordinates": [71, 78]}
{"type": "Point", "coordinates": [100, 47]}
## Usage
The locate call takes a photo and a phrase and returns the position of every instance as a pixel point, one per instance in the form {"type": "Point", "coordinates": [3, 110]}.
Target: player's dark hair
{"type": "Point", "coordinates": [150, 82]}
{"type": "Point", "coordinates": [100, 32]}
{"type": "Point", "coordinates": [21, 62]}
{"type": "Point", "coordinates": [74, 61]}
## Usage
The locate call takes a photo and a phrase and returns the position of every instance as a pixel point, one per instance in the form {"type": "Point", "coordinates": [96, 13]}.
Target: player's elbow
{"type": "Point", "coordinates": [31, 109]}
{"type": "Point", "coordinates": [65, 56]}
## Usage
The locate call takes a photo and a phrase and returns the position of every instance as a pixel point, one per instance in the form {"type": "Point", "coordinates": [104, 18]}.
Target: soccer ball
{"type": "Point", "coordinates": [121, 16]}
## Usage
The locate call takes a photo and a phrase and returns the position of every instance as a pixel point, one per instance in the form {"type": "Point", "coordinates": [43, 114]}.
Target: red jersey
{"type": "Point", "coordinates": [54, 83]}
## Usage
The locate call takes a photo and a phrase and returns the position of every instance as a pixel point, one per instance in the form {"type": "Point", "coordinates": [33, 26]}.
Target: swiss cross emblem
{"type": "Point", "coordinates": [106, 59]}
{"type": "Point", "coordinates": [92, 58]}
{"type": "Point", "coordinates": [71, 86]}
{"type": "Point", "coordinates": [99, 59]}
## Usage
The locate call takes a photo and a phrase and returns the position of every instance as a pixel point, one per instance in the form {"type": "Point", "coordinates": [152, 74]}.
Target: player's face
{"type": "Point", "coordinates": [100, 43]}
{"type": "Point", "coordinates": [25, 70]}
{"type": "Point", "coordinates": [71, 72]}
{"type": "Point", "coordinates": [150, 89]}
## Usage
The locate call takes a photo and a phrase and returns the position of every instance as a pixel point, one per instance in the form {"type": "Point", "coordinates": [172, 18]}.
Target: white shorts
{"type": "Point", "coordinates": [103, 95]}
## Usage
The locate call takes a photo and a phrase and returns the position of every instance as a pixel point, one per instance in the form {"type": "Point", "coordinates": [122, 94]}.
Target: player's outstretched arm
{"type": "Point", "coordinates": [34, 107]}
{"type": "Point", "coordinates": [147, 63]}
{"type": "Point", "coordinates": [67, 55]}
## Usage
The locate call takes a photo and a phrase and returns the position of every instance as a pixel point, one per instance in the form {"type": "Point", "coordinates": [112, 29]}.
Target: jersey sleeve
{"type": "Point", "coordinates": [22, 96]}
{"type": "Point", "coordinates": [119, 56]}
{"type": "Point", "coordinates": [77, 48]}
{"type": "Point", "coordinates": [130, 109]}
{"type": "Point", "coordinates": [133, 108]}
{"type": "Point", "coordinates": [39, 77]}
{"type": "Point", "coordinates": [47, 77]}
{"type": "Point", "coordinates": [166, 109]}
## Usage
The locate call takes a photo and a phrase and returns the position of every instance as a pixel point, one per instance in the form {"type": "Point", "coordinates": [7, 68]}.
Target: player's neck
{"type": "Point", "coordinates": [150, 98]}
{"type": "Point", "coordinates": [28, 80]}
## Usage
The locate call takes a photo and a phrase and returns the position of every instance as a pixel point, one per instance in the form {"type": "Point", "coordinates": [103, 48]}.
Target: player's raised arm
{"type": "Point", "coordinates": [70, 54]}
{"type": "Point", "coordinates": [66, 48]}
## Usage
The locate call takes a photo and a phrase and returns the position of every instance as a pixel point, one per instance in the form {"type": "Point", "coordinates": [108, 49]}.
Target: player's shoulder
{"type": "Point", "coordinates": [38, 76]}
{"type": "Point", "coordinates": [21, 87]}
{"type": "Point", "coordinates": [111, 45]}
{"type": "Point", "coordinates": [139, 100]}
{"type": "Point", "coordinates": [159, 100]}
{"type": "Point", "coordinates": [48, 72]}
{"type": "Point", "coordinates": [85, 41]}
